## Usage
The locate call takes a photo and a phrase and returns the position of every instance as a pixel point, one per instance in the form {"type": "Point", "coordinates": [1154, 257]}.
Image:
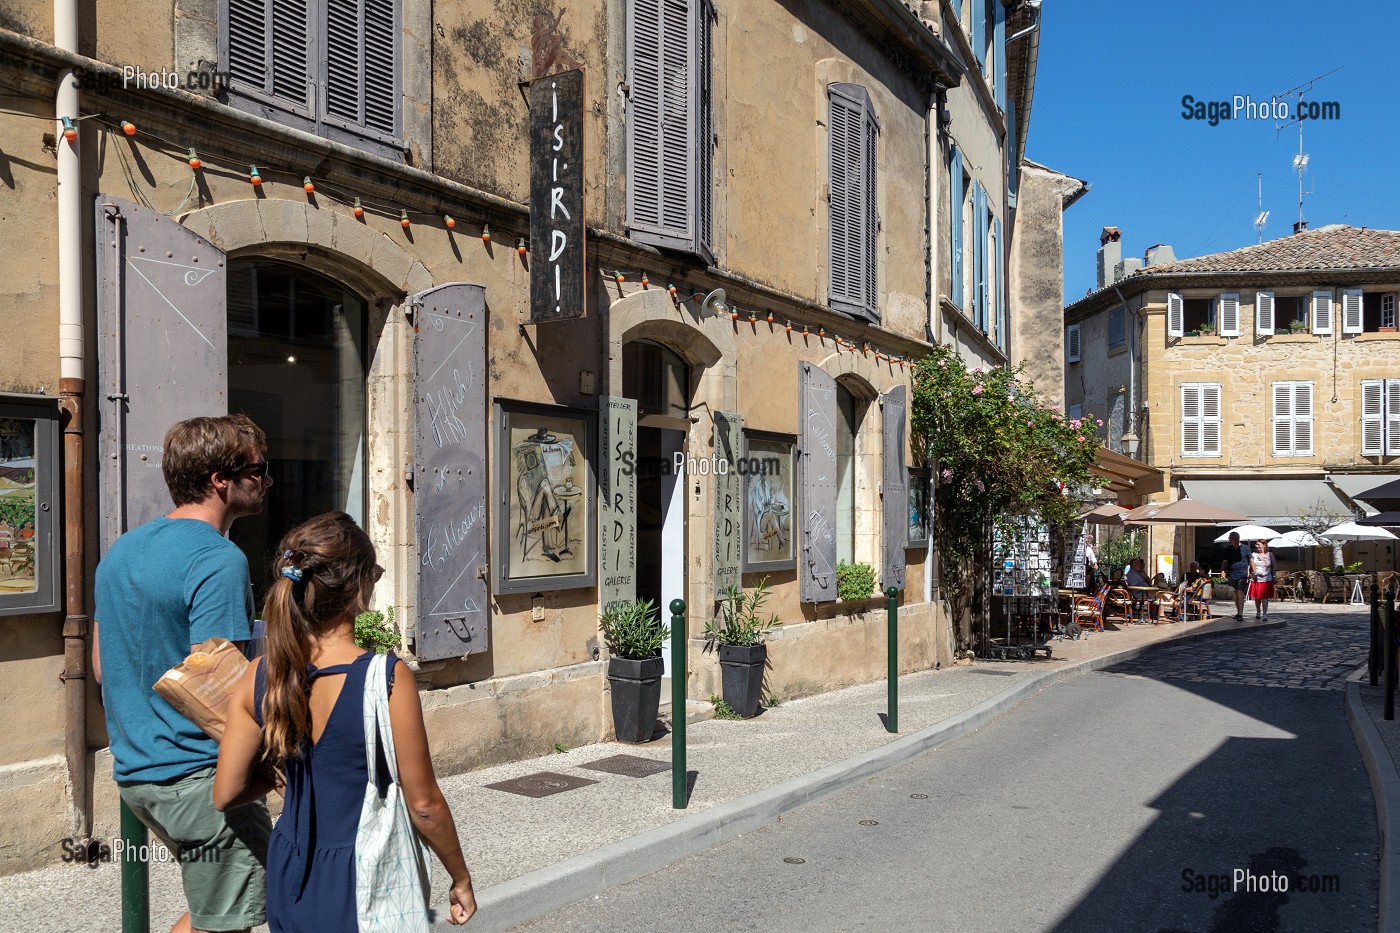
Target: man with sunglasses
{"type": "Point", "coordinates": [162, 589]}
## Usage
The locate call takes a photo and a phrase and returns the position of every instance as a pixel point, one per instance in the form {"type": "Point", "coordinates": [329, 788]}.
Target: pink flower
{"type": "Point", "coordinates": [976, 390]}
{"type": "Point", "coordinates": [942, 364]}
{"type": "Point", "coordinates": [1030, 424]}
{"type": "Point", "coordinates": [978, 370]}
{"type": "Point", "coordinates": [947, 475]}
{"type": "Point", "coordinates": [1100, 422]}
{"type": "Point", "coordinates": [1081, 438]}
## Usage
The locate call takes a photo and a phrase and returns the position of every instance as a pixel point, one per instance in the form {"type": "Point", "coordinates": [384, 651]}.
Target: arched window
{"type": "Point", "coordinates": [657, 378]}
{"type": "Point", "coordinates": [849, 410]}
{"type": "Point", "coordinates": [296, 355]}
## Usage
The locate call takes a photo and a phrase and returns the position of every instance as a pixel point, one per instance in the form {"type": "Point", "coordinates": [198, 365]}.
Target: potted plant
{"type": "Point", "coordinates": [375, 631]}
{"type": "Point", "coordinates": [634, 634]}
{"type": "Point", "coordinates": [1297, 327]}
{"type": "Point", "coordinates": [738, 630]}
{"type": "Point", "coordinates": [1207, 330]}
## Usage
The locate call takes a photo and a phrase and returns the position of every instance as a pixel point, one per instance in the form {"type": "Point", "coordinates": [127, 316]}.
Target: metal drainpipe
{"type": "Point", "coordinates": [71, 387]}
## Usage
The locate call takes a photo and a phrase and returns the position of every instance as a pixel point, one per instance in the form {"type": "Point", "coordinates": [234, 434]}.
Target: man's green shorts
{"type": "Point", "coordinates": [223, 856]}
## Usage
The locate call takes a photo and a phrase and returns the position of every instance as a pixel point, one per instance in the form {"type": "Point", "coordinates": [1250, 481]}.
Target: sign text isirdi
{"type": "Point", "coordinates": [556, 198]}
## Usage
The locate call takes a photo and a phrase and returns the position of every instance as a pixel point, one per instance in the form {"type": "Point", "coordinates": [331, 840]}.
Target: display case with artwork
{"type": "Point", "coordinates": [29, 513]}
{"type": "Point", "coordinates": [768, 478]}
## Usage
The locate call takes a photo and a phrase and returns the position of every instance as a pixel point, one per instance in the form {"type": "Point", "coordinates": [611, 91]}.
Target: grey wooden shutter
{"type": "Point", "coordinates": [449, 473]}
{"type": "Point", "coordinates": [729, 502]}
{"type": "Point", "coordinates": [816, 572]}
{"type": "Point", "coordinates": [661, 124]}
{"type": "Point", "coordinates": [162, 298]}
{"type": "Point", "coordinates": [1072, 343]}
{"type": "Point", "coordinates": [894, 489]}
{"type": "Point", "coordinates": [1373, 417]}
{"type": "Point", "coordinates": [267, 47]}
{"type": "Point", "coordinates": [705, 141]}
{"type": "Point", "coordinates": [361, 54]}
{"type": "Point", "coordinates": [851, 159]}
{"type": "Point", "coordinates": [955, 216]}
{"type": "Point", "coordinates": [999, 53]}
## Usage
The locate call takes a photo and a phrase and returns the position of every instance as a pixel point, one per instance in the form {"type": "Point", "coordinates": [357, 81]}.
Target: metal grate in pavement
{"type": "Point", "coordinates": [541, 784]}
{"type": "Point", "coordinates": [628, 765]}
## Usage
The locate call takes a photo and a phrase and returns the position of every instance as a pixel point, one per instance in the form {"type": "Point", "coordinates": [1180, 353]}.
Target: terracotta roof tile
{"type": "Point", "coordinates": [1335, 246]}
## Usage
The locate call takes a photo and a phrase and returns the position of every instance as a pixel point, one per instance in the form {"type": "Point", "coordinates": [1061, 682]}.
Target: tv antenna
{"type": "Point", "coordinates": [1300, 161]}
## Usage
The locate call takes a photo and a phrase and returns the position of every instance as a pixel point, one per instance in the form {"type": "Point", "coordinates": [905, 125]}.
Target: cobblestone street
{"type": "Point", "coordinates": [1316, 650]}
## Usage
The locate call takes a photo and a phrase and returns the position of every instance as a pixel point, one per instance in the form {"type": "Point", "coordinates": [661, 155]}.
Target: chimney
{"type": "Point", "coordinates": [1110, 254]}
{"type": "Point", "coordinates": [1126, 268]}
{"type": "Point", "coordinates": [1300, 226]}
{"type": "Point", "coordinates": [1159, 254]}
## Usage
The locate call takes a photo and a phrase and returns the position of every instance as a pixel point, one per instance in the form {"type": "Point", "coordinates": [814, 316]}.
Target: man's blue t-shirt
{"type": "Point", "coordinates": [161, 588]}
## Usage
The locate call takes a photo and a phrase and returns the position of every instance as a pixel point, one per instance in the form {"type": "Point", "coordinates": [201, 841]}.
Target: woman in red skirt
{"type": "Point", "coordinates": [1261, 579]}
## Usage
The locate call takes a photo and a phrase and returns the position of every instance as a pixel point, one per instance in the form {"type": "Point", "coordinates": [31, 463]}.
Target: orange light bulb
{"type": "Point", "coordinates": [307, 185]}
{"type": "Point", "coordinates": [128, 128]}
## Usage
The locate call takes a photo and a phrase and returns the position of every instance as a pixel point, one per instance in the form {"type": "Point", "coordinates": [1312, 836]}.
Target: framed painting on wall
{"type": "Point", "coordinates": [768, 472]}
{"type": "Point", "coordinates": [546, 524]}
{"type": "Point", "coordinates": [919, 505]}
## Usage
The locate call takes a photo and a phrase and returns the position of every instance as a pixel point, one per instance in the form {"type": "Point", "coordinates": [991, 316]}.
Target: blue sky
{"type": "Point", "coordinates": [1108, 109]}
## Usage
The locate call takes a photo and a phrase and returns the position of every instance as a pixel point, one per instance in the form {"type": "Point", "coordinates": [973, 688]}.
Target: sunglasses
{"type": "Point", "coordinates": [259, 469]}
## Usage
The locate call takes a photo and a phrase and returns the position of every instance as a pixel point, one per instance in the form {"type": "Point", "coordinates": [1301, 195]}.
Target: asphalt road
{"type": "Point", "coordinates": [1177, 792]}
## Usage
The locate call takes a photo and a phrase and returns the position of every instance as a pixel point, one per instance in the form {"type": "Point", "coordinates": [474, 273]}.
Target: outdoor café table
{"type": "Point", "coordinates": [1142, 600]}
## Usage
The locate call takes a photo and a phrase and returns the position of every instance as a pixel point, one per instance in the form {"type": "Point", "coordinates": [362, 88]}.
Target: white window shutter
{"type": "Point", "coordinates": [1322, 313]}
{"type": "Point", "coordinates": [1230, 314]}
{"type": "Point", "coordinates": [1176, 315]}
{"type": "Point", "coordinates": [1373, 417]}
{"type": "Point", "coordinates": [1191, 420]}
{"type": "Point", "coordinates": [1210, 419]}
{"type": "Point", "coordinates": [1264, 313]}
{"type": "Point", "coordinates": [1283, 419]}
{"type": "Point", "coordinates": [1351, 311]}
{"type": "Point", "coordinates": [1072, 343]}
{"type": "Point", "coordinates": [1392, 417]}
{"type": "Point", "coordinates": [1302, 419]}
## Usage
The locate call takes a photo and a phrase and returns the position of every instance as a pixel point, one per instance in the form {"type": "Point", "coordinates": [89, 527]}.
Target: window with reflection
{"type": "Point", "coordinates": [297, 359]}
{"type": "Point", "coordinates": [848, 414]}
{"type": "Point", "coordinates": [657, 378]}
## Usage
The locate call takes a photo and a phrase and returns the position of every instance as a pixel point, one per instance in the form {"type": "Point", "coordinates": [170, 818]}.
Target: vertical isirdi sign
{"type": "Point", "coordinates": [617, 499]}
{"type": "Point", "coordinates": [556, 198]}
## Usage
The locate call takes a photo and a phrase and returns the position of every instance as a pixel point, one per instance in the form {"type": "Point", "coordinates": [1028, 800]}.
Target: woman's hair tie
{"type": "Point", "coordinates": [292, 573]}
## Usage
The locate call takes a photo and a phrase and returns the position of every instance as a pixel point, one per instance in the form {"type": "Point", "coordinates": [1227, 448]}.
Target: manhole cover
{"type": "Point", "coordinates": [918, 796]}
{"type": "Point", "coordinates": [628, 765]}
{"type": "Point", "coordinates": [541, 784]}
{"type": "Point", "coordinates": [795, 861]}
{"type": "Point", "coordinates": [870, 822]}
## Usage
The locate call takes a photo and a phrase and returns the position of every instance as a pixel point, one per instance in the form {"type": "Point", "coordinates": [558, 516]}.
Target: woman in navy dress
{"type": "Point", "coordinates": [299, 710]}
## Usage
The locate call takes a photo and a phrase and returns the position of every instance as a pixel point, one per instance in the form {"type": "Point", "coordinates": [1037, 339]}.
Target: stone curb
{"type": "Point", "coordinates": [545, 890]}
{"type": "Point", "coordinates": [1385, 787]}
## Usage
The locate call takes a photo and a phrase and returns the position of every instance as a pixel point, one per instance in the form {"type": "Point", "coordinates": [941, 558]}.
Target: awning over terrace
{"type": "Point", "coordinates": [1126, 476]}
{"type": "Point", "coordinates": [1268, 501]}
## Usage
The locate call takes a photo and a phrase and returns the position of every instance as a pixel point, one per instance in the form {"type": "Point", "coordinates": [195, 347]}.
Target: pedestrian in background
{"type": "Point", "coordinates": [1236, 570]}
{"type": "Point", "coordinates": [161, 590]}
{"type": "Point", "coordinates": [1261, 579]}
{"type": "Point", "coordinates": [300, 709]}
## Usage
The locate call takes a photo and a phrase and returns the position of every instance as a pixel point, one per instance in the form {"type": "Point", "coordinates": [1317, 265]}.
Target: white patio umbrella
{"type": "Point", "coordinates": [1248, 533]}
{"type": "Point", "coordinates": [1351, 531]}
{"type": "Point", "coordinates": [1299, 538]}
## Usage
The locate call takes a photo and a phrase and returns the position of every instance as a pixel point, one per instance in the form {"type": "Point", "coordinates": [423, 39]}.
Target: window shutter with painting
{"type": "Point", "coordinates": [1210, 419]}
{"type": "Point", "coordinates": [162, 351]}
{"type": "Point", "coordinates": [1191, 420]}
{"type": "Point", "coordinates": [955, 216]}
{"type": "Point", "coordinates": [1352, 319]}
{"type": "Point", "coordinates": [1392, 417]}
{"type": "Point", "coordinates": [1322, 313]}
{"type": "Point", "coordinates": [1230, 314]}
{"type": "Point", "coordinates": [449, 491]}
{"type": "Point", "coordinates": [1072, 343]}
{"type": "Point", "coordinates": [894, 489]}
{"type": "Point", "coordinates": [1302, 419]}
{"type": "Point", "coordinates": [1283, 419]}
{"type": "Point", "coordinates": [1264, 313]}
{"type": "Point", "coordinates": [816, 570]}
{"type": "Point", "coordinates": [661, 122]}
{"type": "Point", "coordinates": [1176, 315]}
{"type": "Point", "coordinates": [1373, 417]}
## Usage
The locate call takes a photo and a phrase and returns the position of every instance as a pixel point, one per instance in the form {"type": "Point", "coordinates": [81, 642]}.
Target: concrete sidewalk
{"type": "Point", "coordinates": [530, 856]}
{"type": "Point", "coordinates": [1379, 741]}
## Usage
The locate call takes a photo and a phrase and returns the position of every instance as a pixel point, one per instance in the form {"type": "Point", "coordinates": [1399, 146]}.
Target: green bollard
{"type": "Point", "coordinates": [136, 889]}
{"type": "Point", "coordinates": [678, 674]}
{"type": "Point", "coordinates": [892, 711]}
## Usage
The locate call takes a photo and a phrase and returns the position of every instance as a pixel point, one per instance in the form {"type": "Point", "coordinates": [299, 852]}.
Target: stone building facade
{"type": "Point", "coordinates": [333, 234]}
{"type": "Point", "coordinates": [1265, 380]}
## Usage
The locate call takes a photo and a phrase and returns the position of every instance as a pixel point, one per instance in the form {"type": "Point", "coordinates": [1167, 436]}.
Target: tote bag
{"type": "Point", "coordinates": [391, 863]}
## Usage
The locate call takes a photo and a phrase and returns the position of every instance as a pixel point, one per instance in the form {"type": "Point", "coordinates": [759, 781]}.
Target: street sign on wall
{"type": "Point", "coordinates": [556, 198]}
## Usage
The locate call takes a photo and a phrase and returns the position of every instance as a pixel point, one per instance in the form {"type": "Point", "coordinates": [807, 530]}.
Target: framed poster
{"type": "Point", "coordinates": [546, 526]}
{"type": "Point", "coordinates": [919, 505]}
{"type": "Point", "coordinates": [30, 571]}
{"type": "Point", "coordinates": [768, 472]}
